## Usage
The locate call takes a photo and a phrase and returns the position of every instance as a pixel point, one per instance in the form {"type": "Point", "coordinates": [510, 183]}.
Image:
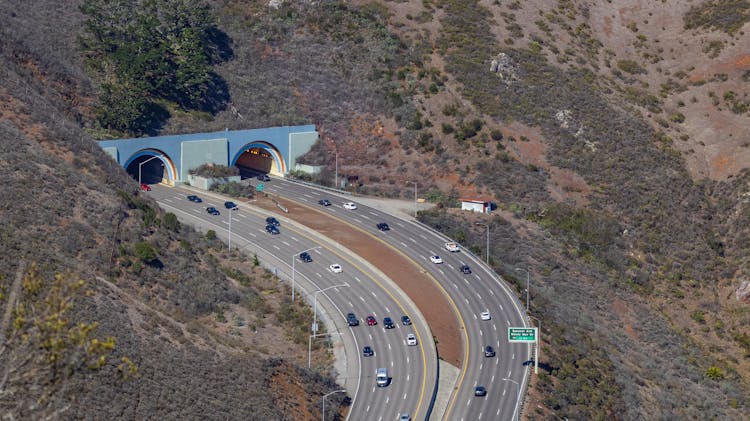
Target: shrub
{"type": "Point", "coordinates": [170, 222]}
{"type": "Point", "coordinates": [630, 66]}
{"type": "Point", "coordinates": [145, 251]}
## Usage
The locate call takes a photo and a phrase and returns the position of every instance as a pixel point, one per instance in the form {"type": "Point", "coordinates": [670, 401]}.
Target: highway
{"type": "Point", "coordinates": [505, 375]}
{"type": "Point", "coordinates": [359, 288]}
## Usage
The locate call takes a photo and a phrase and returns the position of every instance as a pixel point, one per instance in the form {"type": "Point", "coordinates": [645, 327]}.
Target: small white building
{"type": "Point", "coordinates": [476, 205]}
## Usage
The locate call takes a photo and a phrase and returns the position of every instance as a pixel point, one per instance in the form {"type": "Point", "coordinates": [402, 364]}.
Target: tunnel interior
{"type": "Point", "coordinates": [255, 161]}
{"type": "Point", "coordinates": [152, 169]}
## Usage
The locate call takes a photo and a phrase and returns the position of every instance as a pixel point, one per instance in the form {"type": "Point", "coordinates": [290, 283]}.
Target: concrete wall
{"type": "Point", "coordinates": [195, 153]}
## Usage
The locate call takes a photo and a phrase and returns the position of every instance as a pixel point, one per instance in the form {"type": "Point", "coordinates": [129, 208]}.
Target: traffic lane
{"type": "Point", "coordinates": [240, 227]}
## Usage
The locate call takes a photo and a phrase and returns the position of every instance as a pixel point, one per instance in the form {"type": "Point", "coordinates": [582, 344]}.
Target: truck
{"type": "Point", "coordinates": [452, 247]}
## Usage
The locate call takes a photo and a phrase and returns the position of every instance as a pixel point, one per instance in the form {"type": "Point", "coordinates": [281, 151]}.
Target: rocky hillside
{"type": "Point", "coordinates": [610, 134]}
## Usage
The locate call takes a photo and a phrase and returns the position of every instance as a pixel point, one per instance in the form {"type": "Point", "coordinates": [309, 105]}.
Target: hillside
{"type": "Point", "coordinates": [610, 133]}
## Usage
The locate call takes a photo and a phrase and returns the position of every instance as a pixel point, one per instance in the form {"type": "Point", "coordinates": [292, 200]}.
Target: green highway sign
{"type": "Point", "coordinates": [260, 187]}
{"type": "Point", "coordinates": [522, 334]}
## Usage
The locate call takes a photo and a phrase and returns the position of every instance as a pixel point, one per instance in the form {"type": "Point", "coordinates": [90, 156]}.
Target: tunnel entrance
{"type": "Point", "coordinates": [150, 167]}
{"type": "Point", "coordinates": [256, 161]}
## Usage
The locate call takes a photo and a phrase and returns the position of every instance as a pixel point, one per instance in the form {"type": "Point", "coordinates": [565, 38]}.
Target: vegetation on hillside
{"type": "Point", "coordinates": [151, 53]}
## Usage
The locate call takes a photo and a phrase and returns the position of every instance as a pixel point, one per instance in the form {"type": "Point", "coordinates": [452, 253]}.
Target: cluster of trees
{"type": "Point", "coordinates": [147, 53]}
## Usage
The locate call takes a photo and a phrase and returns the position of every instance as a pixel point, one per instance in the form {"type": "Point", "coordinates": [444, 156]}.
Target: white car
{"type": "Point", "coordinates": [335, 268]}
{"type": "Point", "coordinates": [485, 315]}
{"type": "Point", "coordinates": [452, 247]}
{"type": "Point", "coordinates": [350, 205]}
{"type": "Point", "coordinates": [411, 339]}
{"type": "Point", "coordinates": [436, 260]}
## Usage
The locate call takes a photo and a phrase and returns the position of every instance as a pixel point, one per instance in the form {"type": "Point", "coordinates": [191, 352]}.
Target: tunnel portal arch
{"type": "Point", "coordinates": [154, 166]}
{"type": "Point", "coordinates": [260, 156]}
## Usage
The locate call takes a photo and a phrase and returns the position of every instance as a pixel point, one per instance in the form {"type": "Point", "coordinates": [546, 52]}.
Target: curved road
{"type": "Point", "coordinates": [505, 375]}
{"type": "Point", "coordinates": [358, 288]}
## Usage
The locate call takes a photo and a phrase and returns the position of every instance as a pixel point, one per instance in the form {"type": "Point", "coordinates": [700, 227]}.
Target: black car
{"type": "Point", "coordinates": [488, 351]}
{"type": "Point", "coordinates": [480, 391]}
{"type": "Point", "coordinates": [383, 226]}
{"type": "Point", "coordinates": [324, 202]}
{"type": "Point", "coordinates": [194, 198]}
{"type": "Point", "coordinates": [230, 205]}
{"type": "Point", "coordinates": [388, 323]}
{"type": "Point", "coordinates": [272, 221]}
{"type": "Point", "coordinates": [465, 269]}
{"type": "Point", "coordinates": [352, 319]}
{"type": "Point", "coordinates": [271, 229]}
{"type": "Point", "coordinates": [264, 177]}
{"type": "Point", "coordinates": [405, 320]}
{"type": "Point", "coordinates": [305, 257]}
{"type": "Point", "coordinates": [212, 210]}
{"type": "Point", "coordinates": [367, 351]}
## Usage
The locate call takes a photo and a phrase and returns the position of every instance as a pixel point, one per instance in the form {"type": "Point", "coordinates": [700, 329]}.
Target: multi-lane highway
{"type": "Point", "coordinates": [505, 375]}
{"type": "Point", "coordinates": [358, 288]}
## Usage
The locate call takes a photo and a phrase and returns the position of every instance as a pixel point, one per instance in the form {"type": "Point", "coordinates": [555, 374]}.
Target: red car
{"type": "Point", "coordinates": [145, 187]}
{"type": "Point", "coordinates": [371, 321]}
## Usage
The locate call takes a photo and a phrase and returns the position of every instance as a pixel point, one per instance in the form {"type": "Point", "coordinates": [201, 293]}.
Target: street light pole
{"type": "Point", "coordinates": [230, 230]}
{"type": "Point", "coordinates": [518, 398]}
{"type": "Point", "coordinates": [293, 261]}
{"type": "Point", "coordinates": [315, 305]}
{"type": "Point", "coordinates": [415, 196]}
{"type": "Point", "coordinates": [324, 401]}
{"type": "Point", "coordinates": [527, 287]}
{"type": "Point", "coordinates": [538, 345]}
{"type": "Point", "coordinates": [141, 164]}
{"type": "Point", "coordinates": [487, 256]}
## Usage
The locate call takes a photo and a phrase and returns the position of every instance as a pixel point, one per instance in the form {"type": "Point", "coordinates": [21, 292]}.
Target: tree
{"type": "Point", "coordinates": [145, 251]}
{"type": "Point", "coordinates": [41, 347]}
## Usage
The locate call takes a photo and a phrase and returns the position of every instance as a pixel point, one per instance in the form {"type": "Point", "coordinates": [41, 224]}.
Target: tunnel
{"type": "Point", "coordinates": [255, 160]}
{"type": "Point", "coordinates": [149, 168]}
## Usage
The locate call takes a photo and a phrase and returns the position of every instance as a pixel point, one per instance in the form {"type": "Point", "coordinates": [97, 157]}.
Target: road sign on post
{"type": "Point", "coordinates": [522, 334]}
{"type": "Point", "coordinates": [260, 187]}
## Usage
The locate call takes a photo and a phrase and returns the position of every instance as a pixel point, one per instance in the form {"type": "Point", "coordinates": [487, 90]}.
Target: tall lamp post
{"type": "Point", "coordinates": [336, 166]}
{"type": "Point", "coordinates": [538, 345]}
{"type": "Point", "coordinates": [293, 261]}
{"type": "Point", "coordinates": [141, 164]}
{"type": "Point", "coordinates": [230, 227]}
{"type": "Point", "coordinates": [415, 196]}
{"type": "Point", "coordinates": [518, 398]}
{"type": "Point", "coordinates": [527, 287]}
{"type": "Point", "coordinates": [488, 240]}
{"type": "Point", "coordinates": [315, 305]}
{"type": "Point", "coordinates": [324, 400]}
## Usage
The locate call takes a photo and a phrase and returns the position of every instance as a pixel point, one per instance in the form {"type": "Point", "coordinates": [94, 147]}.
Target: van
{"type": "Point", "coordinates": [381, 378]}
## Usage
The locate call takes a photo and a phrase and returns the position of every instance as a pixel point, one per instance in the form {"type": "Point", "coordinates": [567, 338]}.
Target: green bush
{"type": "Point", "coordinates": [145, 251]}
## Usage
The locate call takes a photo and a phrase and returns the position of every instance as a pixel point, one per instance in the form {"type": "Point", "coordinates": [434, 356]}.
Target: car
{"type": "Point", "coordinates": [272, 229]}
{"type": "Point", "coordinates": [489, 352]}
{"type": "Point", "coordinates": [324, 202]}
{"type": "Point", "coordinates": [272, 221]}
{"type": "Point", "coordinates": [485, 315]}
{"type": "Point", "coordinates": [480, 391]}
{"type": "Point", "coordinates": [465, 269]}
{"type": "Point", "coordinates": [305, 257]}
{"type": "Point", "coordinates": [194, 198]}
{"type": "Point", "coordinates": [383, 227]}
{"type": "Point", "coordinates": [263, 177]}
{"type": "Point", "coordinates": [335, 268]}
{"type": "Point", "coordinates": [404, 417]}
{"type": "Point", "coordinates": [452, 247]}
{"type": "Point", "coordinates": [388, 323]}
{"type": "Point", "coordinates": [145, 187]}
{"type": "Point", "coordinates": [212, 210]}
{"type": "Point", "coordinates": [405, 320]}
{"type": "Point", "coordinates": [230, 205]}
{"type": "Point", "coordinates": [350, 205]}
{"type": "Point", "coordinates": [436, 259]}
{"type": "Point", "coordinates": [411, 339]}
{"type": "Point", "coordinates": [367, 351]}
{"type": "Point", "coordinates": [352, 320]}
{"type": "Point", "coordinates": [371, 321]}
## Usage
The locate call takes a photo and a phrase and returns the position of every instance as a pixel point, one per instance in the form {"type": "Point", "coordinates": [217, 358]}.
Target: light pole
{"type": "Point", "coordinates": [324, 400]}
{"type": "Point", "coordinates": [294, 260]}
{"type": "Point", "coordinates": [336, 176]}
{"type": "Point", "coordinates": [415, 196]}
{"type": "Point", "coordinates": [230, 228]}
{"type": "Point", "coordinates": [538, 345]}
{"type": "Point", "coordinates": [315, 305]}
{"type": "Point", "coordinates": [527, 287]}
{"type": "Point", "coordinates": [309, 344]}
{"type": "Point", "coordinates": [141, 164]}
{"type": "Point", "coordinates": [487, 258]}
{"type": "Point", "coordinates": [518, 398]}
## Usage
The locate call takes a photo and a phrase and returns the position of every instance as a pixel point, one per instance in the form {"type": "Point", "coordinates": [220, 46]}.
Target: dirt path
{"type": "Point", "coordinates": [430, 300]}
